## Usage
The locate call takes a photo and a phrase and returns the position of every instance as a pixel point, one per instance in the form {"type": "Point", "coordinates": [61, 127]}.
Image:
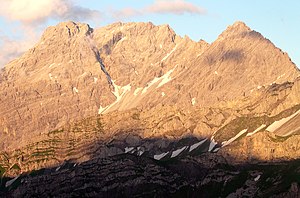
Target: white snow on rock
{"type": "Point", "coordinates": [118, 92]}
{"type": "Point", "coordinates": [139, 151]}
{"type": "Point", "coordinates": [167, 56]}
{"type": "Point", "coordinates": [128, 149]}
{"type": "Point", "coordinates": [51, 65]}
{"type": "Point", "coordinates": [160, 46]}
{"type": "Point", "coordinates": [152, 82]}
{"type": "Point", "coordinates": [178, 151]}
{"type": "Point", "coordinates": [273, 127]}
{"type": "Point", "coordinates": [166, 77]}
{"type": "Point", "coordinates": [75, 90]}
{"type": "Point", "coordinates": [280, 76]}
{"type": "Point", "coordinates": [10, 182]}
{"type": "Point", "coordinates": [160, 156]}
{"type": "Point", "coordinates": [256, 130]}
{"type": "Point", "coordinates": [216, 73]}
{"type": "Point", "coordinates": [225, 143]}
{"type": "Point", "coordinates": [257, 178]}
{"type": "Point", "coordinates": [95, 79]}
{"type": "Point", "coordinates": [123, 39]}
{"type": "Point", "coordinates": [212, 144]}
{"type": "Point", "coordinates": [194, 146]}
{"type": "Point", "coordinates": [259, 87]}
{"type": "Point", "coordinates": [137, 90]}
{"type": "Point", "coordinates": [101, 109]}
{"type": "Point", "coordinates": [193, 101]}
{"type": "Point", "coordinates": [50, 76]}
{"type": "Point", "coordinates": [162, 80]}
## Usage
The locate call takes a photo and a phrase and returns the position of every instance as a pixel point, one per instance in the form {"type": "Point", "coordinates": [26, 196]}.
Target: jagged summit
{"type": "Point", "coordinates": [67, 29]}
{"type": "Point", "coordinates": [236, 30]}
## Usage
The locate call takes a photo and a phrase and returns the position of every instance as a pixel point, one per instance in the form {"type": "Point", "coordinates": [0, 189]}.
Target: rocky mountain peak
{"type": "Point", "coordinates": [236, 30]}
{"type": "Point", "coordinates": [67, 29]}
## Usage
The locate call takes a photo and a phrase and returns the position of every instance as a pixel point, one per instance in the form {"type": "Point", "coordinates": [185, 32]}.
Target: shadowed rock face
{"type": "Point", "coordinates": [127, 175]}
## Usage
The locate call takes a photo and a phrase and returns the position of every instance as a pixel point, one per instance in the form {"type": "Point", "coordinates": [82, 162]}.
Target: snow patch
{"type": "Point", "coordinates": [256, 130]}
{"type": "Point", "coordinates": [123, 39]}
{"type": "Point", "coordinates": [137, 90]}
{"type": "Point", "coordinates": [171, 52]}
{"type": "Point", "coordinates": [139, 151]}
{"type": "Point", "coordinates": [193, 101]}
{"type": "Point", "coordinates": [10, 182]}
{"type": "Point", "coordinates": [194, 146]}
{"type": "Point", "coordinates": [128, 149]}
{"type": "Point", "coordinates": [101, 109]}
{"type": "Point", "coordinates": [160, 46]}
{"type": "Point", "coordinates": [118, 92]}
{"type": "Point", "coordinates": [75, 90]}
{"type": "Point", "coordinates": [225, 143]}
{"type": "Point", "coordinates": [212, 144]}
{"type": "Point", "coordinates": [280, 76]}
{"type": "Point", "coordinates": [152, 82]}
{"type": "Point", "coordinates": [166, 77]}
{"type": "Point", "coordinates": [178, 151]}
{"type": "Point", "coordinates": [51, 65]}
{"type": "Point", "coordinates": [259, 87]}
{"type": "Point", "coordinates": [50, 76]}
{"type": "Point", "coordinates": [163, 94]}
{"type": "Point", "coordinates": [257, 178]}
{"type": "Point", "coordinates": [95, 80]}
{"type": "Point", "coordinates": [273, 127]}
{"type": "Point", "coordinates": [160, 156]}
{"type": "Point", "coordinates": [216, 73]}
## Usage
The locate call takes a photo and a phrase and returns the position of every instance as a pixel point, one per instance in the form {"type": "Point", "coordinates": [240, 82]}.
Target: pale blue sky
{"type": "Point", "coordinates": [277, 20]}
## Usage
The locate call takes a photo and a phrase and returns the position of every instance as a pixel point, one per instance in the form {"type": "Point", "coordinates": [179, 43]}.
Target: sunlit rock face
{"type": "Point", "coordinates": [138, 95]}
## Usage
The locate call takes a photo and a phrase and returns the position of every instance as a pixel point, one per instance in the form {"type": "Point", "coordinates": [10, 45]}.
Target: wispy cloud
{"type": "Point", "coordinates": [11, 48]}
{"type": "Point", "coordinates": [39, 11]}
{"type": "Point", "coordinates": [177, 7]}
{"type": "Point", "coordinates": [33, 15]}
{"type": "Point", "coordinates": [174, 7]}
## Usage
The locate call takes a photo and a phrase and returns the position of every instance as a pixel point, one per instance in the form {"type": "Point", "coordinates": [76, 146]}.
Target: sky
{"type": "Point", "coordinates": [23, 21]}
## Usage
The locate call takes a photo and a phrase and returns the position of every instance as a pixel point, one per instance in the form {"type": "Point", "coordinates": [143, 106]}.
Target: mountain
{"type": "Point", "coordinates": [138, 95]}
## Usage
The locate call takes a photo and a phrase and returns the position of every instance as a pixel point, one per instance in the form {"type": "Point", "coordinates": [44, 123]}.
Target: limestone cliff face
{"type": "Point", "coordinates": [57, 81]}
{"type": "Point", "coordinates": [75, 72]}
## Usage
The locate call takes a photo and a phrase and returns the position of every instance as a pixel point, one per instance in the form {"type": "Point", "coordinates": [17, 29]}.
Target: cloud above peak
{"type": "Point", "coordinates": [174, 7]}
{"type": "Point", "coordinates": [177, 7]}
{"type": "Point", "coordinates": [39, 11]}
{"type": "Point", "coordinates": [32, 16]}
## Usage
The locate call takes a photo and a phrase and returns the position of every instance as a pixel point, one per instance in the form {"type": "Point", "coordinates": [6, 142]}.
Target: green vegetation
{"type": "Point", "coordinates": [252, 123]}
{"type": "Point", "coordinates": [2, 171]}
{"type": "Point", "coordinates": [239, 124]}
{"type": "Point", "coordinates": [15, 167]}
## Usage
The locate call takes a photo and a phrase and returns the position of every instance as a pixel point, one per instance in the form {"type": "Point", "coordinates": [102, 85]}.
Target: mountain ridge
{"type": "Point", "coordinates": [123, 66]}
